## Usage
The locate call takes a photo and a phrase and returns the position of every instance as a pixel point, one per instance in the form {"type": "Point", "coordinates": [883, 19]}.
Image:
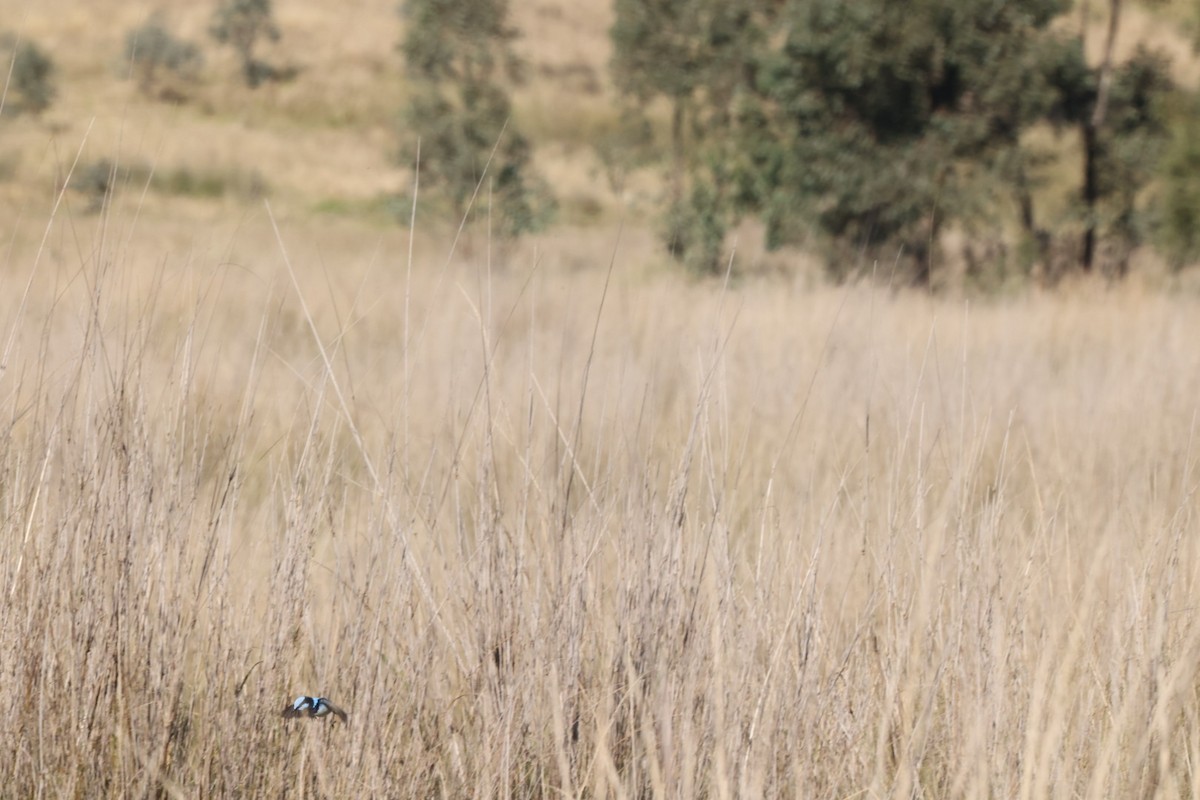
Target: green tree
{"type": "Point", "coordinates": [458, 55]}
{"type": "Point", "coordinates": [1119, 111]}
{"type": "Point", "coordinates": [30, 76]}
{"type": "Point", "coordinates": [1180, 174]}
{"type": "Point", "coordinates": [876, 117]}
{"type": "Point", "coordinates": [157, 57]}
{"type": "Point", "coordinates": [693, 53]}
{"type": "Point", "coordinates": [241, 24]}
{"type": "Point", "coordinates": [697, 55]}
{"type": "Point", "coordinates": [1128, 149]}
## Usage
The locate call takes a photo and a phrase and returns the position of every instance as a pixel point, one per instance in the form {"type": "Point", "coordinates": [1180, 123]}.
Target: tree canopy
{"type": "Point", "coordinates": [867, 128]}
{"type": "Point", "coordinates": [458, 56]}
{"type": "Point", "coordinates": [877, 111]}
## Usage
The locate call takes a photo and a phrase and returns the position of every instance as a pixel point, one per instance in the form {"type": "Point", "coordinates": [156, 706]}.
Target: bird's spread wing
{"type": "Point", "coordinates": [293, 709]}
{"type": "Point", "coordinates": [337, 712]}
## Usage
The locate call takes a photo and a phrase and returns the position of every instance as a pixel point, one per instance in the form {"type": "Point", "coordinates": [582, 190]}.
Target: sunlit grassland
{"type": "Point", "coordinates": [550, 519]}
{"type": "Point", "coordinates": [584, 531]}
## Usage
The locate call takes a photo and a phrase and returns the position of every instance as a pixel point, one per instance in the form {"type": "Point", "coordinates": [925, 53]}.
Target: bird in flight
{"type": "Point", "coordinates": [312, 707]}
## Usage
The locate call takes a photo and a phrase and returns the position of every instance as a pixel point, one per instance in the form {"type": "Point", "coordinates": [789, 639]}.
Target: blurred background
{"type": "Point", "coordinates": [942, 143]}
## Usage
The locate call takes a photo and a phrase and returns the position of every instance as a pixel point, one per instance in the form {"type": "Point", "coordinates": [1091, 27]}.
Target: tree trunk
{"type": "Point", "coordinates": [677, 160]}
{"type": "Point", "coordinates": [1091, 140]}
{"type": "Point", "coordinates": [1090, 196]}
{"type": "Point", "coordinates": [1037, 238]}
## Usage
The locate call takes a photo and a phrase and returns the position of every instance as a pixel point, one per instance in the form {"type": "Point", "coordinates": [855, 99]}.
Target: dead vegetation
{"type": "Point", "coordinates": [548, 532]}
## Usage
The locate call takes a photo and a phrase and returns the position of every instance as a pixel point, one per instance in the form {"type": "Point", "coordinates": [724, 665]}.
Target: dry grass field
{"type": "Point", "coordinates": [585, 532]}
{"type": "Point", "coordinates": [547, 519]}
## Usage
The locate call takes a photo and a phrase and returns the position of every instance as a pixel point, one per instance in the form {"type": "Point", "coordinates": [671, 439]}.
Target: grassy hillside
{"type": "Point", "coordinates": [324, 141]}
{"type": "Point", "coordinates": [323, 144]}
{"type": "Point", "coordinates": [548, 522]}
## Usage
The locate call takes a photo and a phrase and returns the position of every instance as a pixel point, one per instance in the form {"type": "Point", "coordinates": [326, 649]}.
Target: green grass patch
{"type": "Point", "coordinates": [212, 184]}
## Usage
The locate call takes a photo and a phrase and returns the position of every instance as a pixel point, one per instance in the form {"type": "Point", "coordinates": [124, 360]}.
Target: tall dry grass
{"type": "Point", "coordinates": [583, 533]}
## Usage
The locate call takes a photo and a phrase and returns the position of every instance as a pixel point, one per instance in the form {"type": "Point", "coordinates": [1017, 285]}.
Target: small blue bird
{"type": "Point", "coordinates": [312, 707]}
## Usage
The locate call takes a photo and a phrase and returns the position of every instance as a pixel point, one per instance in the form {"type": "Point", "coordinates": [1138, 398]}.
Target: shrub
{"type": "Point", "coordinates": [1179, 209]}
{"type": "Point", "coordinates": [696, 228]}
{"type": "Point", "coordinates": [31, 80]}
{"type": "Point", "coordinates": [159, 61]}
{"type": "Point", "coordinates": [241, 24]}
{"type": "Point", "coordinates": [98, 180]}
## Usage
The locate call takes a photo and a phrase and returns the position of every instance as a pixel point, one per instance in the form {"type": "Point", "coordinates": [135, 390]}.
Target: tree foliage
{"type": "Point", "coordinates": [458, 55]}
{"type": "Point", "coordinates": [697, 55]}
{"type": "Point", "coordinates": [241, 24]}
{"type": "Point", "coordinates": [157, 57]}
{"type": "Point", "coordinates": [680, 48]}
{"type": "Point", "coordinates": [1120, 148]}
{"type": "Point", "coordinates": [463, 41]}
{"type": "Point", "coordinates": [867, 128]}
{"type": "Point", "coordinates": [1180, 173]}
{"type": "Point", "coordinates": [877, 111]}
{"type": "Point", "coordinates": [1129, 148]}
{"type": "Point", "coordinates": [31, 75]}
